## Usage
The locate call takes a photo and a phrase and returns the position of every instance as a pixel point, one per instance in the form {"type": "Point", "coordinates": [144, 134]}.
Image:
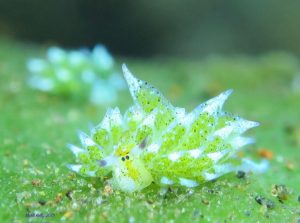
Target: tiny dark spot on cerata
{"type": "Point", "coordinates": [143, 143]}
{"type": "Point", "coordinates": [102, 162]}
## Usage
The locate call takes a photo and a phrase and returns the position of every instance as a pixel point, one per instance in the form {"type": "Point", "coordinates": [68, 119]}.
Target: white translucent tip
{"type": "Point", "coordinates": [74, 149]}
{"type": "Point", "coordinates": [131, 80]}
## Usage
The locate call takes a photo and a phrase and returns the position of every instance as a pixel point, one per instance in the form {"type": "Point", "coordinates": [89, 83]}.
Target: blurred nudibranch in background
{"type": "Point", "coordinates": [78, 73]}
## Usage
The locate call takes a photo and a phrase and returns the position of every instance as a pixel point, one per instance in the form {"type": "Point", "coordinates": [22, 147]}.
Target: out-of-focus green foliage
{"type": "Point", "coordinates": [35, 127]}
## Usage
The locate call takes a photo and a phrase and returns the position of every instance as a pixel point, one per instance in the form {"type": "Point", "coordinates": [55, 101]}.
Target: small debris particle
{"type": "Point", "coordinates": [290, 166]}
{"type": "Point", "coordinates": [150, 201]}
{"type": "Point", "coordinates": [69, 194]}
{"type": "Point", "coordinates": [92, 188]}
{"type": "Point", "coordinates": [75, 205]}
{"type": "Point", "coordinates": [280, 191]}
{"type": "Point", "coordinates": [294, 133]}
{"type": "Point", "coordinates": [205, 201]}
{"type": "Point", "coordinates": [247, 213]}
{"type": "Point", "coordinates": [42, 202]}
{"type": "Point", "coordinates": [67, 214]}
{"type": "Point", "coordinates": [107, 190]}
{"type": "Point", "coordinates": [259, 199]}
{"type": "Point", "coordinates": [196, 213]}
{"type": "Point", "coordinates": [99, 200]}
{"type": "Point", "coordinates": [299, 198]}
{"type": "Point", "coordinates": [23, 195]}
{"type": "Point", "coordinates": [71, 176]}
{"type": "Point", "coordinates": [240, 174]}
{"type": "Point", "coordinates": [265, 153]}
{"type": "Point", "coordinates": [29, 205]}
{"type": "Point", "coordinates": [25, 163]}
{"type": "Point", "coordinates": [208, 190]}
{"type": "Point", "coordinates": [36, 182]}
{"type": "Point", "coordinates": [42, 193]}
{"type": "Point", "coordinates": [58, 198]}
{"type": "Point", "coordinates": [104, 215]}
{"type": "Point", "coordinates": [270, 204]}
{"type": "Point", "coordinates": [264, 201]}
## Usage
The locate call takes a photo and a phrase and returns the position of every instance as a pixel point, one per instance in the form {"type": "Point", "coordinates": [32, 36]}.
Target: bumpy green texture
{"type": "Point", "coordinates": [156, 142]}
{"type": "Point", "coordinates": [81, 73]}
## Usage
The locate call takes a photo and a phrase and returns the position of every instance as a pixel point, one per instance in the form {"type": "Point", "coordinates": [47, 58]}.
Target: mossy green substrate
{"type": "Point", "coordinates": [35, 127]}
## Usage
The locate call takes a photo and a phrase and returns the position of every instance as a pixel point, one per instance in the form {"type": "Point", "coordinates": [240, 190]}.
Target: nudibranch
{"type": "Point", "coordinates": [81, 73]}
{"type": "Point", "coordinates": [155, 142]}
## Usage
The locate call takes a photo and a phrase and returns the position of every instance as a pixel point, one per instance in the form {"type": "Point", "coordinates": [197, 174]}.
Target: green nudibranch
{"type": "Point", "coordinates": [155, 142]}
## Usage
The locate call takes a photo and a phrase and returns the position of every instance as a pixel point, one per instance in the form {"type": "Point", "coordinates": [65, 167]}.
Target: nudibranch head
{"type": "Point", "coordinates": [155, 142]}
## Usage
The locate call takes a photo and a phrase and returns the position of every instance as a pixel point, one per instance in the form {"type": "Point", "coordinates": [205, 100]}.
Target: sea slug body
{"type": "Point", "coordinates": [155, 142]}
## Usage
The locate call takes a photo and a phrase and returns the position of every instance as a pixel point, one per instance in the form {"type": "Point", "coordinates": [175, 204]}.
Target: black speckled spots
{"type": "Point", "coordinates": [264, 201]}
{"type": "Point", "coordinates": [42, 202]}
{"type": "Point", "coordinates": [143, 143]}
{"type": "Point", "coordinates": [69, 194]}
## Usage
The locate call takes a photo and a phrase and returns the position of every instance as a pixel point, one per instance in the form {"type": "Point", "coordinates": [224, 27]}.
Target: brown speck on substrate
{"type": "Point", "coordinates": [204, 201]}
{"type": "Point", "coordinates": [36, 182]}
{"type": "Point", "coordinates": [290, 166]}
{"type": "Point", "coordinates": [71, 176]}
{"type": "Point", "coordinates": [150, 201]}
{"type": "Point", "coordinates": [280, 191]}
{"type": "Point", "coordinates": [265, 153]}
{"type": "Point", "coordinates": [58, 198]}
{"type": "Point", "coordinates": [107, 190]}
{"type": "Point", "coordinates": [67, 214]}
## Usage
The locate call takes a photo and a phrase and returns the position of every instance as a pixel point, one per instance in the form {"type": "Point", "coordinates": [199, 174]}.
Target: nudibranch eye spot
{"type": "Point", "coordinates": [155, 142]}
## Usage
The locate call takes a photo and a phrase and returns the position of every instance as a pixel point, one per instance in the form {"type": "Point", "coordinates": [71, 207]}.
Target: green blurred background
{"type": "Point", "coordinates": [150, 28]}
